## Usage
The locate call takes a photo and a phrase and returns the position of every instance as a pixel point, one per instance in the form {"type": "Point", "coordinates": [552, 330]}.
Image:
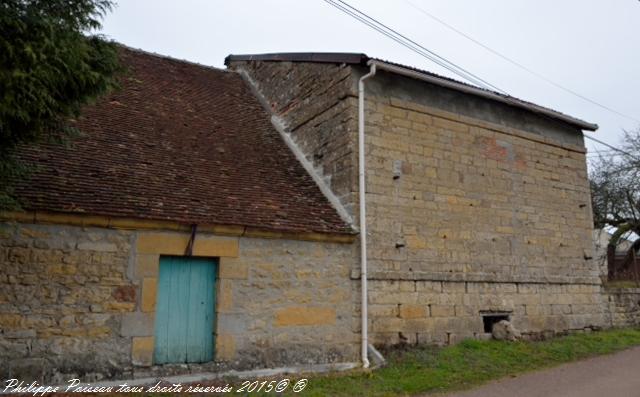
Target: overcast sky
{"type": "Point", "coordinates": [589, 46]}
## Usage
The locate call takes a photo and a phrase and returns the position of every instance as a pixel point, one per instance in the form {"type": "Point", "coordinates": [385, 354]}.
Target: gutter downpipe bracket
{"type": "Point", "coordinates": [363, 215]}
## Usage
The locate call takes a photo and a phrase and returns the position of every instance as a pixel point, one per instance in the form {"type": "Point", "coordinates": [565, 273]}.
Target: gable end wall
{"type": "Point", "coordinates": [316, 104]}
{"type": "Point", "coordinates": [474, 208]}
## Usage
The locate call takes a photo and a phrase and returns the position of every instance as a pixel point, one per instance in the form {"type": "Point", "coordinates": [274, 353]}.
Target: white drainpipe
{"type": "Point", "coordinates": [363, 214]}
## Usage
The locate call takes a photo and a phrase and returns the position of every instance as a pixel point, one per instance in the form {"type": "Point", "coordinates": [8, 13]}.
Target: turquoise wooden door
{"type": "Point", "coordinates": [184, 325]}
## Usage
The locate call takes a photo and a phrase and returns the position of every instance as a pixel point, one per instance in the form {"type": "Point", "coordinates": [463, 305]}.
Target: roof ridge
{"type": "Point", "coordinates": [170, 58]}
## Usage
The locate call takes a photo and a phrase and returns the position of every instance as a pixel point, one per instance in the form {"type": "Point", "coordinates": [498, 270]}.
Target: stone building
{"type": "Point", "coordinates": [478, 205]}
{"type": "Point", "coordinates": [206, 220]}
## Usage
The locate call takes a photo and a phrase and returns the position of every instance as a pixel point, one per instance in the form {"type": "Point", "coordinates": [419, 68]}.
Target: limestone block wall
{"type": "Point", "coordinates": [450, 196]}
{"type": "Point", "coordinates": [473, 207]}
{"type": "Point", "coordinates": [79, 301]}
{"type": "Point", "coordinates": [470, 218]}
{"type": "Point", "coordinates": [444, 312]}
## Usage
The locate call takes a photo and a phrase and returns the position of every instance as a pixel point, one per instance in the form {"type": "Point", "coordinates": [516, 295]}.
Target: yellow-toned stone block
{"type": "Point", "coordinates": [59, 268]}
{"type": "Point", "coordinates": [450, 125]}
{"type": "Point", "coordinates": [60, 218]}
{"type": "Point", "coordinates": [147, 265]}
{"type": "Point", "coordinates": [233, 268]}
{"type": "Point", "coordinates": [142, 351]}
{"type": "Point", "coordinates": [91, 220]}
{"type": "Point", "coordinates": [305, 315]}
{"type": "Point", "coordinates": [175, 244]}
{"type": "Point", "coordinates": [99, 332]}
{"type": "Point", "coordinates": [27, 232]}
{"type": "Point", "coordinates": [119, 306]}
{"type": "Point", "coordinates": [149, 292]}
{"type": "Point", "coordinates": [225, 295]}
{"type": "Point", "coordinates": [18, 216]}
{"type": "Point", "coordinates": [225, 347]}
{"type": "Point", "coordinates": [442, 311]}
{"type": "Point", "coordinates": [137, 224]}
{"type": "Point", "coordinates": [412, 311]}
{"type": "Point", "coordinates": [415, 242]}
{"type": "Point", "coordinates": [75, 331]}
{"type": "Point", "coordinates": [10, 320]}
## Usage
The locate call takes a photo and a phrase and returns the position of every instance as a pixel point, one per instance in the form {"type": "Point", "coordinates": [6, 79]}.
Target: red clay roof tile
{"type": "Point", "coordinates": [181, 142]}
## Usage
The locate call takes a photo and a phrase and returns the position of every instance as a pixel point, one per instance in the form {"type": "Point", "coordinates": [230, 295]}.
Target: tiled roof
{"type": "Point", "coordinates": [181, 142]}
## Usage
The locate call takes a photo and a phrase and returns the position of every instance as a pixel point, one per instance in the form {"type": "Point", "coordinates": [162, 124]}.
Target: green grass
{"type": "Point", "coordinates": [621, 284]}
{"type": "Point", "coordinates": [470, 363]}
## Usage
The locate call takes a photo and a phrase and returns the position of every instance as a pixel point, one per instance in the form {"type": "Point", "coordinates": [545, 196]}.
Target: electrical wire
{"type": "Point", "coordinates": [411, 44]}
{"type": "Point", "coordinates": [432, 56]}
{"type": "Point", "coordinates": [518, 64]}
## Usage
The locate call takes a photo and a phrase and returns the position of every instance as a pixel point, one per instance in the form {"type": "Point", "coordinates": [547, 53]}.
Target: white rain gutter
{"type": "Point", "coordinates": [363, 215]}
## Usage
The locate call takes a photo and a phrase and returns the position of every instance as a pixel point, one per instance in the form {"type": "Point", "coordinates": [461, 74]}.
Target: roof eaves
{"type": "Point", "coordinates": [470, 89]}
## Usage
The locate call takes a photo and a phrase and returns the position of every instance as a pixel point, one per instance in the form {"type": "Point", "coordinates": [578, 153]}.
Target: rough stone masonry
{"type": "Point", "coordinates": [79, 302]}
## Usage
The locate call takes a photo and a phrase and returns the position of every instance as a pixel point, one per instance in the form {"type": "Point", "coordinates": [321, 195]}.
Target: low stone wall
{"type": "Point", "coordinates": [440, 312]}
{"type": "Point", "coordinates": [623, 306]}
{"type": "Point", "coordinates": [80, 302]}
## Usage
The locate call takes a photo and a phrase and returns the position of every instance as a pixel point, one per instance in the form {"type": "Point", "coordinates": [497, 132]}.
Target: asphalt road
{"type": "Point", "coordinates": [616, 375]}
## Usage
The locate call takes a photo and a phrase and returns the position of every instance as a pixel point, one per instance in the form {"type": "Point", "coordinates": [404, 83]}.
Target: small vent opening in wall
{"type": "Point", "coordinates": [491, 318]}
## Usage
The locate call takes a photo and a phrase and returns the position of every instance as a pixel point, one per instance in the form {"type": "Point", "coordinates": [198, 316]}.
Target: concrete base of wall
{"type": "Point", "coordinates": [205, 377]}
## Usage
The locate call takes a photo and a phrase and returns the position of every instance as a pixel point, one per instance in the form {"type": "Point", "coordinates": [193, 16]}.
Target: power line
{"type": "Point", "coordinates": [411, 44]}
{"type": "Point", "coordinates": [518, 64]}
{"type": "Point", "coordinates": [598, 155]}
{"type": "Point", "coordinates": [611, 147]}
{"type": "Point", "coordinates": [430, 55]}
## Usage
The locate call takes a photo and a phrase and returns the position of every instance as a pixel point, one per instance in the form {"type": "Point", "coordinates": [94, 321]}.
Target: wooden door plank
{"type": "Point", "coordinates": [196, 311]}
{"type": "Point", "coordinates": [161, 352]}
{"type": "Point", "coordinates": [211, 285]}
{"type": "Point", "coordinates": [178, 307]}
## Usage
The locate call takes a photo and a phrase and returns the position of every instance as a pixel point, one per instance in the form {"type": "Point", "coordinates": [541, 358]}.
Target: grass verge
{"type": "Point", "coordinates": [621, 284]}
{"type": "Point", "coordinates": [470, 363]}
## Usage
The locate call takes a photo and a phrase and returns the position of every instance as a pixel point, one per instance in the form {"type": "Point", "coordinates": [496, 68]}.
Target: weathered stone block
{"type": "Point", "coordinates": [147, 265]}
{"type": "Point", "coordinates": [175, 244]}
{"type": "Point", "coordinates": [224, 296]}
{"type": "Point", "coordinates": [99, 246]}
{"type": "Point", "coordinates": [119, 306]}
{"type": "Point", "coordinates": [10, 321]}
{"type": "Point", "coordinates": [232, 324]}
{"type": "Point", "coordinates": [149, 294]}
{"type": "Point", "coordinates": [412, 311]}
{"type": "Point", "coordinates": [125, 293]}
{"type": "Point", "coordinates": [233, 268]}
{"type": "Point", "coordinates": [387, 324]}
{"type": "Point", "coordinates": [442, 311]}
{"type": "Point", "coordinates": [225, 347]}
{"type": "Point", "coordinates": [142, 350]}
{"type": "Point", "coordinates": [137, 324]}
{"type": "Point", "coordinates": [415, 242]}
{"type": "Point", "coordinates": [304, 315]}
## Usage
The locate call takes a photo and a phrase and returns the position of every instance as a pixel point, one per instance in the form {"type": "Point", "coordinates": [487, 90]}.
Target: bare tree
{"type": "Point", "coordinates": [615, 190]}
